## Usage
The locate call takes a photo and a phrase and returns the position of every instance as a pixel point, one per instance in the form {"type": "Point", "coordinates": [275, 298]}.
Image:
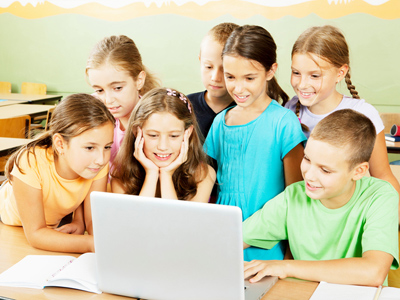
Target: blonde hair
{"type": "Point", "coordinates": [222, 31]}
{"type": "Point", "coordinates": [128, 170]}
{"type": "Point", "coordinates": [74, 115]}
{"type": "Point", "coordinates": [348, 129]}
{"type": "Point", "coordinates": [121, 52]}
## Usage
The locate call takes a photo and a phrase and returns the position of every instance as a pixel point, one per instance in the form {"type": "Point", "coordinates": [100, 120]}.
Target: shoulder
{"type": "Point", "coordinates": [375, 191]}
{"type": "Point", "coordinates": [196, 97]}
{"type": "Point", "coordinates": [291, 104]}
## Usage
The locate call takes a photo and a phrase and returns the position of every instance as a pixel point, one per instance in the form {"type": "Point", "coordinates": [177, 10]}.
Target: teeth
{"type": "Point", "coordinates": [241, 97]}
{"type": "Point", "coordinates": [306, 94]}
{"type": "Point", "coordinates": [162, 156]}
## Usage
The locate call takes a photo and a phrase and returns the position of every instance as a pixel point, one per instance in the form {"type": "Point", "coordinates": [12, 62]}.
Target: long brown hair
{"type": "Point", "coordinates": [75, 114]}
{"type": "Point", "coordinates": [121, 52]}
{"type": "Point", "coordinates": [256, 43]}
{"type": "Point", "coordinates": [130, 172]}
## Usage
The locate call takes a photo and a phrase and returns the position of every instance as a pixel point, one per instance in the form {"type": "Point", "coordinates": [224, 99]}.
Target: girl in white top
{"type": "Point", "coordinates": [116, 73]}
{"type": "Point", "coordinates": [320, 60]}
{"type": "Point", "coordinates": [54, 175]}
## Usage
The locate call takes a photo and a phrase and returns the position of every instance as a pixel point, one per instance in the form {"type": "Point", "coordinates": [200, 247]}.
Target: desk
{"type": "Point", "coordinates": [393, 147]}
{"type": "Point", "coordinates": [8, 145]}
{"type": "Point", "coordinates": [17, 110]}
{"type": "Point", "coordinates": [14, 247]}
{"type": "Point", "coordinates": [15, 98]}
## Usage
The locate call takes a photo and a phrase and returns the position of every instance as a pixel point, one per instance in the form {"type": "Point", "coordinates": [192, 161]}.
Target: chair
{"type": "Point", "coordinates": [389, 119]}
{"type": "Point", "coordinates": [17, 127]}
{"type": "Point", "coordinates": [5, 87]}
{"type": "Point", "coordinates": [33, 88]}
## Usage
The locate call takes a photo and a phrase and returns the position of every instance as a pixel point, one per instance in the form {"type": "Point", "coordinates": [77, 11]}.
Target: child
{"type": "Point", "coordinates": [341, 226]}
{"type": "Point", "coordinates": [215, 98]}
{"type": "Point", "coordinates": [54, 174]}
{"type": "Point", "coordinates": [118, 76]}
{"type": "Point", "coordinates": [258, 143]}
{"type": "Point", "coordinates": [162, 154]}
{"type": "Point", "coordinates": [320, 60]}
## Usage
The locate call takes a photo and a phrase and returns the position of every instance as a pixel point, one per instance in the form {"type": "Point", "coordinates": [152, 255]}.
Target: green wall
{"type": "Point", "coordinates": [53, 50]}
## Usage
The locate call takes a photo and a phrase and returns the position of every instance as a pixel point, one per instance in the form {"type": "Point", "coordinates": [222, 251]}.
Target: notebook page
{"type": "Point", "coordinates": [33, 270]}
{"type": "Point", "coordinates": [331, 291]}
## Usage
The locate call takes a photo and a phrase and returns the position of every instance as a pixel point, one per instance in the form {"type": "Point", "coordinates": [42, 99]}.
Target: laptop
{"type": "Point", "coordinates": [152, 248]}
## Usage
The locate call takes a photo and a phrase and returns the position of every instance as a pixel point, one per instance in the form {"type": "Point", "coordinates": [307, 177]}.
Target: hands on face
{"type": "Point", "coordinates": [149, 166]}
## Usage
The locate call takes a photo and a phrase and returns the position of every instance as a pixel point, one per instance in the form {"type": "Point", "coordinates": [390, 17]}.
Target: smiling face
{"type": "Point", "coordinates": [86, 154]}
{"type": "Point", "coordinates": [246, 81]}
{"type": "Point", "coordinates": [314, 82]}
{"type": "Point", "coordinates": [212, 72]}
{"type": "Point", "coordinates": [327, 175]}
{"type": "Point", "coordinates": [117, 89]}
{"type": "Point", "coordinates": [163, 134]}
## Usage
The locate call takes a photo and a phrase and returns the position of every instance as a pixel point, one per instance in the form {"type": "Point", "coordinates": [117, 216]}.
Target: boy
{"type": "Point", "coordinates": [215, 98]}
{"type": "Point", "coordinates": [341, 226]}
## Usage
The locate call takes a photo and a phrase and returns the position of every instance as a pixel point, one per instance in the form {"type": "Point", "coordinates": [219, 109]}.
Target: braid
{"type": "Point", "coordinates": [351, 87]}
{"type": "Point", "coordinates": [304, 127]}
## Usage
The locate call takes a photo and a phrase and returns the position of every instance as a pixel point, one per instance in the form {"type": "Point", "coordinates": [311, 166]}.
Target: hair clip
{"type": "Point", "coordinates": [171, 92]}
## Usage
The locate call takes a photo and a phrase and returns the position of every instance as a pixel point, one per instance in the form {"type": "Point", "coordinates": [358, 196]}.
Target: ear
{"type": "Point", "coordinates": [189, 131]}
{"type": "Point", "coordinates": [271, 72]}
{"type": "Point", "coordinates": [59, 143]}
{"type": "Point", "coordinates": [342, 72]}
{"type": "Point", "coordinates": [360, 170]}
{"type": "Point", "coordinates": [141, 78]}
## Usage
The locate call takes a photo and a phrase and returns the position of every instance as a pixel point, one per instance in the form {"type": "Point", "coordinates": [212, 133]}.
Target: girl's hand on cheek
{"type": "Point", "coordinates": [147, 164]}
{"type": "Point", "coordinates": [181, 158]}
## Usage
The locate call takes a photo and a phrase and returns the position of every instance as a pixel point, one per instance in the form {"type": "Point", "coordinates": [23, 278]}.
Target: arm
{"type": "Point", "coordinates": [205, 186]}
{"type": "Point", "coordinates": [379, 163]}
{"type": "Point", "coordinates": [291, 164]}
{"type": "Point", "coordinates": [30, 207]}
{"type": "Point", "coordinates": [370, 269]}
{"type": "Point", "coordinates": [97, 185]}
{"type": "Point", "coordinates": [77, 226]}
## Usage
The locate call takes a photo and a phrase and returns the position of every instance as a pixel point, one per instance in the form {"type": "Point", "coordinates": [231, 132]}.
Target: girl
{"type": "Point", "coordinates": [258, 143]}
{"type": "Point", "coordinates": [320, 60]}
{"type": "Point", "coordinates": [54, 174]}
{"type": "Point", "coordinates": [118, 76]}
{"type": "Point", "coordinates": [162, 155]}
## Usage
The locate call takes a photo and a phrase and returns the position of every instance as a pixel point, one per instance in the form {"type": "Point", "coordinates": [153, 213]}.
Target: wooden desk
{"type": "Point", "coordinates": [14, 247]}
{"type": "Point", "coordinates": [7, 145]}
{"type": "Point", "coordinates": [393, 147]}
{"type": "Point", "coordinates": [15, 98]}
{"type": "Point", "coordinates": [17, 110]}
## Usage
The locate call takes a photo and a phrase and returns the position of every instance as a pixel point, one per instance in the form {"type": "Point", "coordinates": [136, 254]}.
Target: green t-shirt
{"type": "Point", "coordinates": [369, 221]}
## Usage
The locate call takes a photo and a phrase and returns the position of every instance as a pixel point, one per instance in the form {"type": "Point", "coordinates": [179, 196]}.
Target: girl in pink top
{"type": "Point", "coordinates": [54, 175]}
{"type": "Point", "coordinates": [118, 76]}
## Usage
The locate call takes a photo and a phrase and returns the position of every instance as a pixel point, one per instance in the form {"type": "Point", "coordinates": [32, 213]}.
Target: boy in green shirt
{"type": "Point", "coordinates": [341, 227]}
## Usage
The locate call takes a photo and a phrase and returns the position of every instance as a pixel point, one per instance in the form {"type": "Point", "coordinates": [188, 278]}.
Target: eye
{"type": "Point", "coordinates": [208, 67]}
{"type": "Point", "coordinates": [152, 135]}
{"type": "Point", "coordinates": [315, 76]}
{"type": "Point", "coordinates": [175, 135]}
{"type": "Point", "coordinates": [250, 78]}
{"type": "Point", "coordinates": [118, 88]}
{"type": "Point", "coordinates": [98, 91]}
{"type": "Point", "coordinates": [107, 147]}
{"type": "Point", "coordinates": [89, 148]}
{"type": "Point", "coordinates": [306, 158]}
{"type": "Point", "coordinates": [326, 171]}
{"type": "Point", "coordinates": [295, 72]}
{"type": "Point", "coordinates": [228, 77]}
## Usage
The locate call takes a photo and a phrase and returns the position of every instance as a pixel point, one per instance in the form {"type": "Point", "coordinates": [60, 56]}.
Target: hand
{"type": "Point", "coordinates": [264, 268]}
{"type": "Point", "coordinates": [147, 164]}
{"type": "Point", "coordinates": [182, 157]}
{"type": "Point", "coordinates": [71, 228]}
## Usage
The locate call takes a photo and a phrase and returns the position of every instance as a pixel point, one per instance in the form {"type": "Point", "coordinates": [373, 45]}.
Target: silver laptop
{"type": "Point", "coordinates": [154, 248]}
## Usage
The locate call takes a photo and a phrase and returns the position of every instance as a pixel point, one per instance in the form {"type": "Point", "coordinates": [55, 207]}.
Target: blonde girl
{"type": "Point", "coordinates": [54, 174]}
{"type": "Point", "coordinates": [320, 60]}
{"type": "Point", "coordinates": [258, 143]}
{"type": "Point", "coordinates": [116, 73]}
{"type": "Point", "coordinates": [161, 155]}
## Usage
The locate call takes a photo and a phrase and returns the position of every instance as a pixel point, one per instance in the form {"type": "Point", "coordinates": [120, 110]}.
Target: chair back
{"type": "Point", "coordinates": [5, 87]}
{"type": "Point", "coordinates": [17, 127]}
{"type": "Point", "coordinates": [33, 88]}
{"type": "Point", "coordinates": [390, 119]}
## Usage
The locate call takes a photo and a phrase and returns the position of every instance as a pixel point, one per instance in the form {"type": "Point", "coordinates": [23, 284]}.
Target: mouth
{"type": "Point", "coordinates": [216, 87]}
{"type": "Point", "coordinates": [306, 94]}
{"type": "Point", "coordinates": [311, 187]}
{"type": "Point", "coordinates": [241, 99]}
{"type": "Point", "coordinates": [162, 157]}
{"type": "Point", "coordinates": [94, 169]}
{"type": "Point", "coordinates": [114, 108]}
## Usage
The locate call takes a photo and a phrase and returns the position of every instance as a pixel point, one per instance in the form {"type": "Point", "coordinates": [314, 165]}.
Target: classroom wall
{"type": "Point", "coordinates": [47, 41]}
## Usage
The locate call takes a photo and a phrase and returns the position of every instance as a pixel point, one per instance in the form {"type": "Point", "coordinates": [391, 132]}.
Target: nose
{"type": "Point", "coordinates": [108, 99]}
{"type": "Point", "coordinates": [101, 158]}
{"type": "Point", "coordinates": [217, 75]}
{"type": "Point", "coordinates": [163, 143]}
{"type": "Point", "coordinates": [238, 87]}
{"type": "Point", "coordinates": [303, 82]}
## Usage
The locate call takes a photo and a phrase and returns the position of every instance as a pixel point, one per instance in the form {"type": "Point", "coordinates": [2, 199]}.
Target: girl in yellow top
{"type": "Point", "coordinates": [54, 174]}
